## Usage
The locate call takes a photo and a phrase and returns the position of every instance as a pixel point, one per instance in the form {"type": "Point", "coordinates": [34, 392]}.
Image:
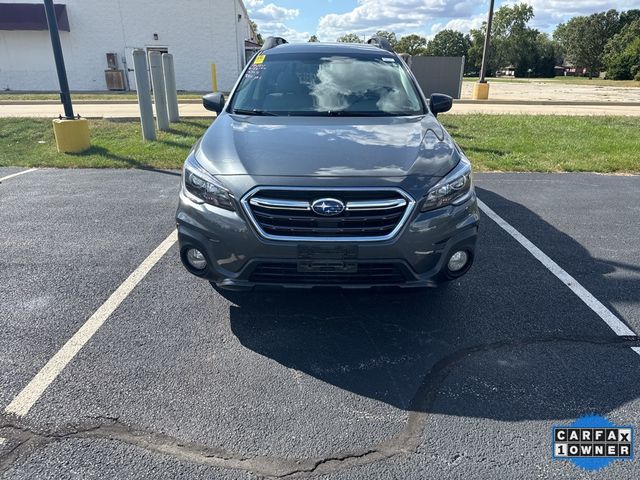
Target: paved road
{"type": "Point", "coordinates": [544, 89]}
{"type": "Point", "coordinates": [128, 110]}
{"type": "Point", "coordinates": [460, 382]}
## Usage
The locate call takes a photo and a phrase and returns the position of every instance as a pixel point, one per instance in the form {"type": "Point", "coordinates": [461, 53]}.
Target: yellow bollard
{"type": "Point", "coordinates": [72, 136]}
{"type": "Point", "coordinates": [214, 78]}
{"type": "Point", "coordinates": [481, 91]}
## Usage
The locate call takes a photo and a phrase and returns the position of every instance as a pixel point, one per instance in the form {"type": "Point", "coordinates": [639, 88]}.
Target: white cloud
{"type": "Point", "coordinates": [460, 24]}
{"type": "Point", "coordinates": [271, 20]}
{"type": "Point", "coordinates": [400, 16]}
{"type": "Point", "coordinates": [281, 30]}
{"type": "Point", "coordinates": [272, 12]}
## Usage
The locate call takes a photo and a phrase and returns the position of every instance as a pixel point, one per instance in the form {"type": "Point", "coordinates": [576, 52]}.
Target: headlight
{"type": "Point", "coordinates": [454, 189]}
{"type": "Point", "coordinates": [201, 187]}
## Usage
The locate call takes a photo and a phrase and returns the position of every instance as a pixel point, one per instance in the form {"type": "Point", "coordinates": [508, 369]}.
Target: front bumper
{"type": "Point", "coordinates": [237, 256]}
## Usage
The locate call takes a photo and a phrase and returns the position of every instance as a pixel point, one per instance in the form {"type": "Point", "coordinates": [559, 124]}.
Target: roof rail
{"type": "Point", "coordinates": [380, 42]}
{"type": "Point", "coordinates": [273, 42]}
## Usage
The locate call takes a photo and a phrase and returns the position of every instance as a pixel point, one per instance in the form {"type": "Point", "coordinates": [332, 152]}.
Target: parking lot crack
{"type": "Point", "coordinates": [333, 463]}
{"type": "Point", "coordinates": [23, 439]}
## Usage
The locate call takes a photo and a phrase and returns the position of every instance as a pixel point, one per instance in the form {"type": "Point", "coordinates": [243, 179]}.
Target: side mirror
{"type": "Point", "coordinates": [213, 102]}
{"type": "Point", "coordinates": [439, 103]}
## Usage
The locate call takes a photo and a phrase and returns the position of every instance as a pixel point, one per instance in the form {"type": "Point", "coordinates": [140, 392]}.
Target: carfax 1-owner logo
{"type": "Point", "coordinates": [593, 442]}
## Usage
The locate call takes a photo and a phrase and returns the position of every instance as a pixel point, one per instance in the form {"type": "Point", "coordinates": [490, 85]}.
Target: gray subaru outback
{"type": "Point", "coordinates": [327, 166]}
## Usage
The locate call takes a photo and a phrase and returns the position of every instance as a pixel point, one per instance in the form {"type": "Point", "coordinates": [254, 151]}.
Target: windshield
{"type": "Point", "coordinates": [320, 84]}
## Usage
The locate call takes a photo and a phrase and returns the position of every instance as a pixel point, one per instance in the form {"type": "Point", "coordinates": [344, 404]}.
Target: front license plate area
{"type": "Point", "coordinates": [327, 258]}
{"type": "Point", "coordinates": [327, 267]}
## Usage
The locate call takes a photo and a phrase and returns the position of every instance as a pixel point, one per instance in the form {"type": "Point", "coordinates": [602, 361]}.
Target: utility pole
{"type": "Point", "coordinates": [71, 133]}
{"type": "Point", "coordinates": [52, 22]}
{"type": "Point", "coordinates": [487, 44]}
{"type": "Point", "coordinates": [481, 89]}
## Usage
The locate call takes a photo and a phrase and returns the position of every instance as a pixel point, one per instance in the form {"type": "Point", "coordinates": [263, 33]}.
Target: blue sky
{"type": "Point", "coordinates": [296, 20]}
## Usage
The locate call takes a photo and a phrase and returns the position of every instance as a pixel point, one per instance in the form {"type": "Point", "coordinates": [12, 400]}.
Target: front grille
{"type": "Point", "coordinates": [365, 274]}
{"type": "Point", "coordinates": [369, 214]}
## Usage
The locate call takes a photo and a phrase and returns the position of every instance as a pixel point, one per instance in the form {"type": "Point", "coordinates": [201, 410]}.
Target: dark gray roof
{"type": "Point", "coordinates": [329, 48]}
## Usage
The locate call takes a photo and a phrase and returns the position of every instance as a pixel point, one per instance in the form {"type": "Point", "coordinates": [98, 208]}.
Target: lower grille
{"type": "Point", "coordinates": [356, 214]}
{"type": "Point", "coordinates": [366, 274]}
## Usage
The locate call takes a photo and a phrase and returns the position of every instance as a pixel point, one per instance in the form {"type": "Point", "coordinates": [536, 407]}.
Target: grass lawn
{"type": "Point", "coordinates": [540, 143]}
{"type": "Point", "coordinates": [492, 80]}
{"type": "Point", "coordinates": [493, 142]}
{"type": "Point", "coordinates": [30, 142]}
{"type": "Point", "coordinates": [598, 82]}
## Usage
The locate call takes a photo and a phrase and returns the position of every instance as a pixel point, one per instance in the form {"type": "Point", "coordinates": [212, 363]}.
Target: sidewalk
{"type": "Point", "coordinates": [129, 110]}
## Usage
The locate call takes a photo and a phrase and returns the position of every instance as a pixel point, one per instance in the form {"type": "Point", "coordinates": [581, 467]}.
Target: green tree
{"type": "Point", "coordinates": [514, 41]}
{"type": "Point", "coordinates": [583, 39]}
{"type": "Point", "coordinates": [350, 38]}
{"type": "Point", "coordinates": [474, 58]}
{"type": "Point", "coordinates": [390, 36]}
{"type": "Point", "coordinates": [449, 43]}
{"type": "Point", "coordinates": [254, 27]}
{"type": "Point", "coordinates": [313, 39]}
{"type": "Point", "coordinates": [628, 17]}
{"type": "Point", "coordinates": [547, 56]}
{"type": "Point", "coordinates": [412, 44]}
{"type": "Point", "coordinates": [622, 53]}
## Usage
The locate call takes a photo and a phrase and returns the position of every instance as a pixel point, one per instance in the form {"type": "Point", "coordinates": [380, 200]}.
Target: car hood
{"type": "Point", "coordinates": [327, 146]}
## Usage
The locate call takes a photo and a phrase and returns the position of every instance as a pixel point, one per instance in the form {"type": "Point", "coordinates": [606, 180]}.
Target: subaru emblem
{"type": "Point", "coordinates": [328, 207]}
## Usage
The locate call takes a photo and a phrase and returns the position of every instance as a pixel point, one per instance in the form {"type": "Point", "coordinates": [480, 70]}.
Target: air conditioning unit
{"type": "Point", "coordinates": [115, 79]}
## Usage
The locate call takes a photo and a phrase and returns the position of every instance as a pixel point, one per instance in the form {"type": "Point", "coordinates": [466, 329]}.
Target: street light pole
{"type": "Point", "coordinates": [72, 135]}
{"type": "Point", "coordinates": [52, 22]}
{"type": "Point", "coordinates": [487, 44]}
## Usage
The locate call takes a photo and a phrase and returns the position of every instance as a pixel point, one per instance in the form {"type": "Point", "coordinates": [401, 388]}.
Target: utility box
{"type": "Point", "coordinates": [112, 61]}
{"type": "Point", "coordinates": [114, 76]}
{"type": "Point", "coordinates": [115, 80]}
{"type": "Point", "coordinates": [439, 74]}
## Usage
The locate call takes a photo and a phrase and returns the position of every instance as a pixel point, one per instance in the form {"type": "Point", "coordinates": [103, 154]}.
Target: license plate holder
{"type": "Point", "coordinates": [327, 267]}
{"type": "Point", "coordinates": [327, 258]}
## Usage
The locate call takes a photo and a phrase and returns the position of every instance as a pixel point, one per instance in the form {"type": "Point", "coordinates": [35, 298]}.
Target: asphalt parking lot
{"type": "Point", "coordinates": [178, 381]}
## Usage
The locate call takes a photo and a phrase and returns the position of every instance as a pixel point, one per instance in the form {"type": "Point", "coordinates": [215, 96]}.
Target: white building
{"type": "Point", "coordinates": [198, 33]}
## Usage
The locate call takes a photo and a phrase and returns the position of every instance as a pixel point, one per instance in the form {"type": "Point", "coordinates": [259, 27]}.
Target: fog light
{"type": "Point", "coordinates": [196, 259]}
{"type": "Point", "coordinates": [458, 261]}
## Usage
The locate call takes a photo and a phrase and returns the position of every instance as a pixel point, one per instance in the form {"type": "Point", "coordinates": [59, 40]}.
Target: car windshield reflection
{"type": "Point", "coordinates": [320, 85]}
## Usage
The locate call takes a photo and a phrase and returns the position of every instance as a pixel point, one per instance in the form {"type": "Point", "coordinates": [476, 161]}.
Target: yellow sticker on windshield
{"type": "Point", "coordinates": [259, 59]}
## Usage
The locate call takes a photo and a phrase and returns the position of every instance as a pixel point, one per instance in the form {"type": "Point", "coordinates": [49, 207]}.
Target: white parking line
{"type": "Point", "coordinates": [16, 174]}
{"type": "Point", "coordinates": [617, 325]}
{"type": "Point", "coordinates": [23, 402]}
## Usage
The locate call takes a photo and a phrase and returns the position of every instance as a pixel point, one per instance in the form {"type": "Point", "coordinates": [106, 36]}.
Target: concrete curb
{"type": "Point", "coordinates": [88, 102]}
{"type": "Point", "coordinates": [545, 103]}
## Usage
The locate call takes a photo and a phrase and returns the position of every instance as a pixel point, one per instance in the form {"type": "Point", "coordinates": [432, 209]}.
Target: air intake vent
{"type": "Point", "coordinates": [364, 274]}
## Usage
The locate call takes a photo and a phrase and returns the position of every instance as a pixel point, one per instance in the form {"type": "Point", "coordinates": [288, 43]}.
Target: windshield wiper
{"type": "Point", "coordinates": [336, 113]}
{"type": "Point", "coordinates": [345, 113]}
{"type": "Point", "coordinates": [255, 111]}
